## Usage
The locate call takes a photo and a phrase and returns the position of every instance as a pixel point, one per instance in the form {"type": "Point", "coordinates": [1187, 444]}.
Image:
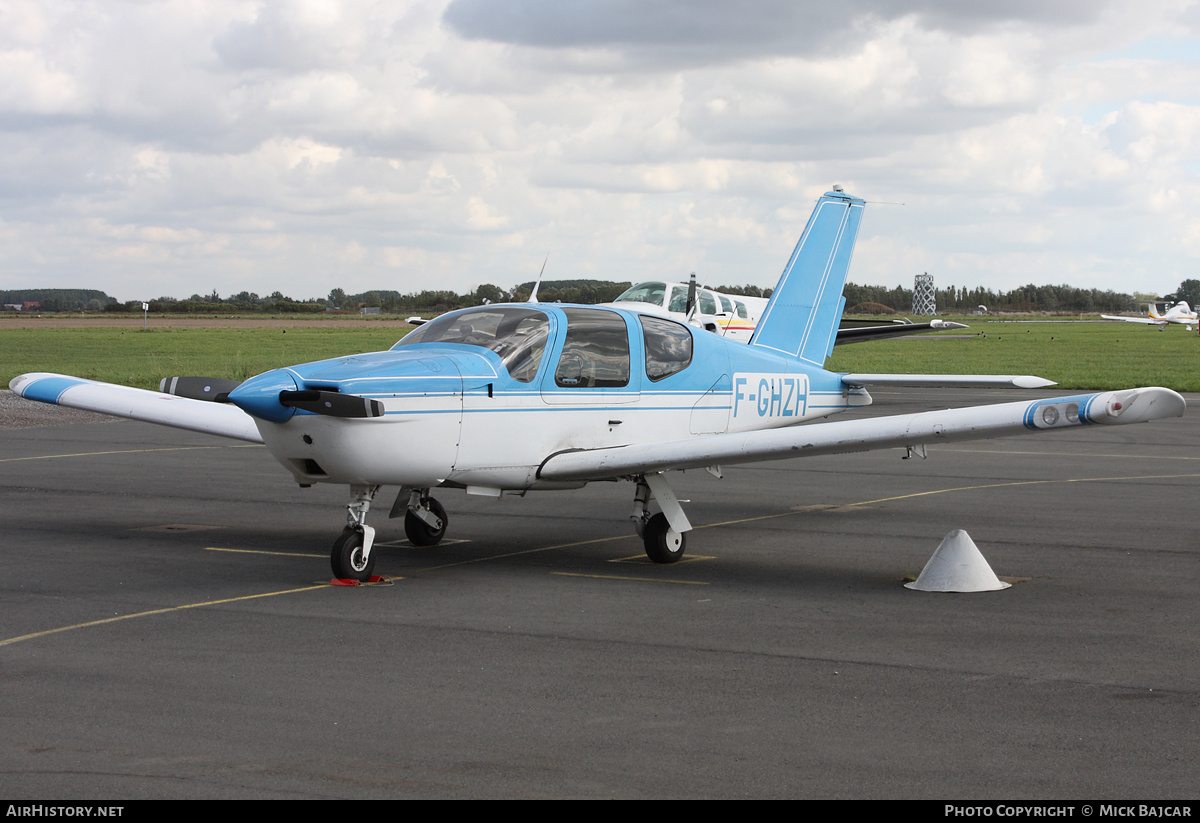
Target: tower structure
{"type": "Point", "coordinates": [924, 297]}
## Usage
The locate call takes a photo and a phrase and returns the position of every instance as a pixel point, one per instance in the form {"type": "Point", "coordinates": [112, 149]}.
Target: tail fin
{"type": "Point", "coordinates": [802, 318]}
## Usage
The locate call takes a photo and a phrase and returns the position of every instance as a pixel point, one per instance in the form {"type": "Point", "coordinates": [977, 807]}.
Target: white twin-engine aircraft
{"type": "Point", "coordinates": [537, 396]}
{"type": "Point", "coordinates": [1180, 313]}
{"type": "Point", "coordinates": [735, 317]}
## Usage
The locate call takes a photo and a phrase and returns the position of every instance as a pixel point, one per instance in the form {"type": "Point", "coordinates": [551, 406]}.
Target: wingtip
{"type": "Point", "coordinates": [1141, 405]}
{"type": "Point", "coordinates": [1031, 381]}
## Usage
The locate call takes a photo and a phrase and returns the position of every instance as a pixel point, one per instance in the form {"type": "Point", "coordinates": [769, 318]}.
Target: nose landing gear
{"type": "Point", "coordinates": [351, 557]}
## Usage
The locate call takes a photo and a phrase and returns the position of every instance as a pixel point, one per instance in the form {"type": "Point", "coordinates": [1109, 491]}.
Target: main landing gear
{"type": "Point", "coordinates": [424, 523]}
{"type": "Point", "coordinates": [425, 520]}
{"type": "Point", "coordinates": [664, 535]}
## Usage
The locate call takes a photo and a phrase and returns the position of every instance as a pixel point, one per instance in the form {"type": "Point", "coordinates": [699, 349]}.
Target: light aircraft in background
{"type": "Point", "coordinates": [735, 316]}
{"type": "Point", "coordinates": [518, 397]}
{"type": "Point", "coordinates": [1180, 313]}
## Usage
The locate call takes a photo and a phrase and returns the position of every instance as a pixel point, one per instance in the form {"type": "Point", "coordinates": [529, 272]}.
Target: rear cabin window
{"type": "Point", "coordinates": [518, 336]}
{"type": "Point", "coordinates": [595, 354]}
{"type": "Point", "coordinates": [668, 347]}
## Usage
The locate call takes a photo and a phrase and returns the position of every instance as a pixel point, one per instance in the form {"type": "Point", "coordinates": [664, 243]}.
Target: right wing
{"type": "Point", "coordinates": [138, 404]}
{"type": "Point", "coordinates": [949, 381]}
{"type": "Point", "coordinates": [950, 425]}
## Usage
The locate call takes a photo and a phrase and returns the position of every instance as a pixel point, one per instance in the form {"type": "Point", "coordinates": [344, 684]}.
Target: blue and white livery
{"type": "Point", "coordinates": [521, 397]}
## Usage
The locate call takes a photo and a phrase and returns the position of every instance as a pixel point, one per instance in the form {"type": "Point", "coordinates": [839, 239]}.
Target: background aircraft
{"type": "Point", "coordinates": [736, 316]}
{"type": "Point", "coordinates": [517, 397]}
{"type": "Point", "coordinates": [1180, 313]}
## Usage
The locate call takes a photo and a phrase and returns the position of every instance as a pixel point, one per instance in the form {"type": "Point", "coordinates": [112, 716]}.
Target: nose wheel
{"type": "Point", "coordinates": [351, 557]}
{"type": "Point", "coordinates": [348, 560]}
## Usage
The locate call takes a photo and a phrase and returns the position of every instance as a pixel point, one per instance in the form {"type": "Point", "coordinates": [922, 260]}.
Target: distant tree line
{"type": "Point", "coordinates": [53, 300]}
{"type": "Point", "coordinates": [1061, 298]}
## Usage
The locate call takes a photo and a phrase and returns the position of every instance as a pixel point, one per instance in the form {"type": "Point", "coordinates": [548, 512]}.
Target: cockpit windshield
{"type": "Point", "coordinates": [652, 293]}
{"type": "Point", "coordinates": [517, 335]}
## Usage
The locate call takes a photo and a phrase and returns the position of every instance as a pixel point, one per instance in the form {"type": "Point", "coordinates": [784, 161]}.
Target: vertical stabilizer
{"type": "Point", "coordinates": [802, 318]}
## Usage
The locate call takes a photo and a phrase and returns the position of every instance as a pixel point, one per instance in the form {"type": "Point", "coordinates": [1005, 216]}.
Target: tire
{"type": "Point", "coordinates": [347, 560]}
{"type": "Point", "coordinates": [418, 531]}
{"type": "Point", "coordinates": [663, 544]}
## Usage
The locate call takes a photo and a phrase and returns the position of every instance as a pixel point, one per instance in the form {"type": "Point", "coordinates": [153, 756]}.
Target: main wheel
{"type": "Point", "coordinates": [663, 544]}
{"type": "Point", "coordinates": [419, 532]}
{"type": "Point", "coordinates": [347, 558]}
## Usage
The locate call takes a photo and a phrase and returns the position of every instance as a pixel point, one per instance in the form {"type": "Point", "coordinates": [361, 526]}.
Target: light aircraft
{"type": "Point", "coordinates": [1180, 313]}
{"type": "Point", "coordinates": [518, 397]}
{"type": "Point", "coordinates": [735, 316]}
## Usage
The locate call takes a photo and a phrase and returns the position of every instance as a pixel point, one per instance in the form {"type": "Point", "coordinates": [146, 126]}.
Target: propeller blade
{"type": "Point", "coordinates": [216, 389]}
{"type": "Point", "coordinates": [332, 403]}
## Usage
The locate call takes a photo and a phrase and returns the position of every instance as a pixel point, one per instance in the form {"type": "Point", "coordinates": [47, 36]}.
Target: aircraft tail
{"type": "Point", "coordinates": [802, 318]}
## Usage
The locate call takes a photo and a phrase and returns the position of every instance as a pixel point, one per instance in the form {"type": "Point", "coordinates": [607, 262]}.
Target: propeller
{"type": "Point", "coordinates": [332, 403]}
{"type": "Point", "coordinates": [215, 389]}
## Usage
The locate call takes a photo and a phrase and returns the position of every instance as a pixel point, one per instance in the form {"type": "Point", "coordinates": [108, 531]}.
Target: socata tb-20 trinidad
{"type": "Point", "coordinates": [534, 396]}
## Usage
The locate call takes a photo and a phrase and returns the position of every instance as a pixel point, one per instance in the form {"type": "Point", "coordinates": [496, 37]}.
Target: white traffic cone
{"type": "Point", "coordinates": [957, 566]}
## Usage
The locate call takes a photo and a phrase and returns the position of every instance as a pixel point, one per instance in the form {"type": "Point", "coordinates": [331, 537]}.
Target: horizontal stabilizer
{"type": "Point", "coordinates": [949, 381]}
{"type": "Point", "coordinates": [137, 404]}
{"type": "Point", "coordinates": [842, 437]}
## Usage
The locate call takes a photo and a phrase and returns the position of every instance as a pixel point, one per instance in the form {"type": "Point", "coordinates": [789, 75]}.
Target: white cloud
{"type": "Point", "coordinates": [298, 146]}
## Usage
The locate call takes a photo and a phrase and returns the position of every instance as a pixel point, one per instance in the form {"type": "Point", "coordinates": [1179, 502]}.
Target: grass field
{"type": "Point", "coordinates": [132, 357]}
{"type": "Point", "coordinates": [1078, 355]}
{"type": "Point", "coordinates": [1075, 354]}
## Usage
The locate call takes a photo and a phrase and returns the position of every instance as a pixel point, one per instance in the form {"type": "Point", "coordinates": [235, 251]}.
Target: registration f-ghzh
{"type": "Point", "coordinates": [533, 396]}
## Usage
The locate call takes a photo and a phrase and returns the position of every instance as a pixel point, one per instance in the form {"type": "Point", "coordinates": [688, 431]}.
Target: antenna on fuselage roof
{"type": "Point", "coordinates": [538, 282]}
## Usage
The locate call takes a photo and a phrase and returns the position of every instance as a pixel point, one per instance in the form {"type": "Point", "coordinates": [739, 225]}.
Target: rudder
{"type": "Point", "coordinates": [806, 307]}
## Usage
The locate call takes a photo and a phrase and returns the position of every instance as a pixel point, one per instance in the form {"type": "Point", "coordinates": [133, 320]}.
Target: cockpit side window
{"type": "Point", "coordinates": [707, 304]}
{"type": "Point", "coordinates": [678, 299]}
{"type": "Point", "coordinates": [595, 353]}
{"type": "Point", "coordinates": [668, 347]}
{"type": "Point", "coordinates": [518, 336]}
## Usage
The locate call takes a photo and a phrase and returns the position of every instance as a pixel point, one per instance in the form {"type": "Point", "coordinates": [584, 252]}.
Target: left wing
{"type": "Point", "coordinates": [1148, 321]}
{"type": "Point", "coordinates": [950, 425]}
{"type": "Point", "coordinates": [138, 404]}
{"type": "Point", "coordinates": [859, 332]}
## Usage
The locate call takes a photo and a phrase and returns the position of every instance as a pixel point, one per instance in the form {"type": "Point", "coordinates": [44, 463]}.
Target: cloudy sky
{"type": "Point", "coordinates": [167, 147]}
